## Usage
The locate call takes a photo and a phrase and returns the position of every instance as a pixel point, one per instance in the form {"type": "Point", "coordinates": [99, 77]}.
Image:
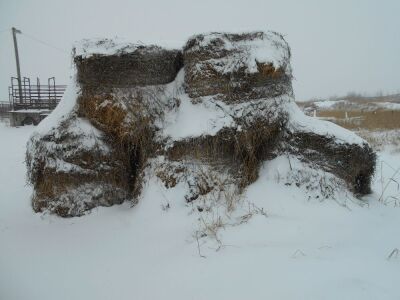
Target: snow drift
{"type": "Point", "coordinates": [204, 118]}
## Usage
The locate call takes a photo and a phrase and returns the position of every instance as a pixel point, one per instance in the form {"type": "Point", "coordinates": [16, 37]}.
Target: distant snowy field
{"type": "Point", "coordinates": [302, 249]}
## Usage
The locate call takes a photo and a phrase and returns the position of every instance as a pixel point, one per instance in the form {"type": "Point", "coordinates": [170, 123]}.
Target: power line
{"type": "Point", "coordinates": [43, 42]}
{"type": "Point", "coordinates": [38, 41]}
{"type": "Point", "coordinates": [4, 30]}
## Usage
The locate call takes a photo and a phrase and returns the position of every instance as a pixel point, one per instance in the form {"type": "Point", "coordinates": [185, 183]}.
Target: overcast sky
{"type": "Point", "coordinates": [337, 46]}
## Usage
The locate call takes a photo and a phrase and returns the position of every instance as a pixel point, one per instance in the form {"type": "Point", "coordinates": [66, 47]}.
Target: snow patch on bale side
{"type": "Point", "coordinates": [317, 184]}
{"type": "Point", "coordinates": [206, 116]}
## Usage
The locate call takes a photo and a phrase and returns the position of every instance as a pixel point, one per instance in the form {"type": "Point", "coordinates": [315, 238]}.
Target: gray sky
{"type": "Point", "coordinates": [338, 46]}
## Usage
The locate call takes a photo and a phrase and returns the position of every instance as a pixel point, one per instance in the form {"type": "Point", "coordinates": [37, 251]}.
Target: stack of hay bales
{"type": "Point", "coordinates": [123, 95]}
{"type": "Point", "coordinates": [250, 75]}
{"type": "Point", "coordinates": [138, 97]}
{"type": "Point", "coordinates": [120, 102]}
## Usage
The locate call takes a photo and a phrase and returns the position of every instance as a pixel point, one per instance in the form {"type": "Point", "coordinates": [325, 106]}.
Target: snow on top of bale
{"type": "Point", "coordinates": [106, 63]}
{"type": "Point", "coordinates": [298, 121]}
{"type": "Point", "coordinates": [247, 50]}
{"type": "Point", "coordinates": [106, 46]}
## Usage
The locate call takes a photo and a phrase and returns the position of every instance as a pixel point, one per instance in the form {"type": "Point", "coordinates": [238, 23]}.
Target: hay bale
{"type": "Point", "coordinates": [130, 118]}
{"type": "Point", "coordinates": [124, 65]}
{"type": "Point", "coordinates": [240, 152]}
{"type": "Point", "coordinates": [129, 131]}
{"type": "Point", "coordinates": [354, 163]}
{"type": "Point", "coordinates": [237, 67]}
{"type": "Point", "coordinates": [72, 170]}
{"type": "Point", "coordinates": [327, 146]}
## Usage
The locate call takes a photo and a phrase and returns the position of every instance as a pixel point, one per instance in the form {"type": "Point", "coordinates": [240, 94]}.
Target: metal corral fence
{"type": "Point", "coordinates": [35, 96]}
{"type": "Point", "coordinates": [5, 107]}
{"type": "Point", "coordinates": [5, 115]}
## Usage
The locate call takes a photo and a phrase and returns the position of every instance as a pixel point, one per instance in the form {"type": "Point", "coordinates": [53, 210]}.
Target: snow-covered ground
{"type": "Point", "coordinates": [365, 105]}
{"type": "Point", "coordinates": [297, 249]}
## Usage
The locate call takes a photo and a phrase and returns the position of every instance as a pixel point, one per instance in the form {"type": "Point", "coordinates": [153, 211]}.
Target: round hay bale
{"type": "Point", "coordinates": [140, 66]}
{"type": "Point", "coordinates": [237, 67]}
{"type": "Point", "coordinates": [354, 163]}
{"type": "Point", "coordinates": [73, 170]}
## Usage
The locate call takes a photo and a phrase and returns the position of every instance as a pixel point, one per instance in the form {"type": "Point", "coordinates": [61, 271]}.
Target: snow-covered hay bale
{"type": "Point", "coordinates": [73, 170]}
{"type": "Point", "coordinates": [353, 163]}
{"type": "Point", "coordinates": [130, 118]}
{"type": "Point", "coordinates": [238, 67]}
{"type": "Point", "coordinates": [331, 148]}
{"type": "Point", "coordinates": [239, 149]}
{"type": "Point", "coordinates": [123, 95]}
{"type": "Point", "coordinates": [104, 63]}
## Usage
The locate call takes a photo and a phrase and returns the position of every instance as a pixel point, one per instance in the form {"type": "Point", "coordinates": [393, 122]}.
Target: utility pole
{"type": "Point", "coordinates": [14, 33]}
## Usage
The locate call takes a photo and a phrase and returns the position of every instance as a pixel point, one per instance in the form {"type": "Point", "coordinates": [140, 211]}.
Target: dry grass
{"type": "Point", "coordinates": [268, 69]}
{"type": "Point", "coordinates": [379, 125]}
{"type": "Point", "coordinates": [381, 139]}
{"type": "Point", "coordinates": [104, 112]}
{"type": "Point", "coordinates": [371, 120]}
